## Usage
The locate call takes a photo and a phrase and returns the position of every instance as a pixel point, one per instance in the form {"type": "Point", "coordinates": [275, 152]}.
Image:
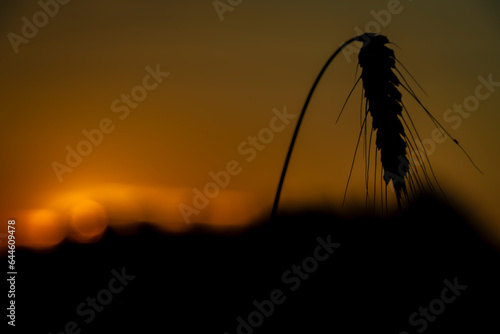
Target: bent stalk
{"type": "Point", "coordinates": [297, 127]}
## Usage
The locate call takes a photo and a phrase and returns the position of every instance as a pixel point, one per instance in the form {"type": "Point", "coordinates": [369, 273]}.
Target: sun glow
{"type": "Point", "coordinates": [83, 216]}
{"type": "Point", "coordinates": [88, 221]}
{"type": "Point", "coordinates": [43, 228]}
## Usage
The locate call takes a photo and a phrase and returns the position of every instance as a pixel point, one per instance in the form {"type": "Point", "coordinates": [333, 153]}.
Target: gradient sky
{"type": "Point", "coordinates": [226, 77]}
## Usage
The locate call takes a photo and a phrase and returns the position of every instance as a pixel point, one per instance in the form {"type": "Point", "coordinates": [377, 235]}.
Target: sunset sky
{"type": "Point", "coordinates": [230, 75]}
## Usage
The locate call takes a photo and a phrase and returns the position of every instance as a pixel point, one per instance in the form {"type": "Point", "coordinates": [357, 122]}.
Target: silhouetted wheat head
{"type": "Point", "coordinates": [380, 84]}
{"type": "Point", "coordinates": [395, 132]}
{"type": "Point", "coordinates": [384, 103]}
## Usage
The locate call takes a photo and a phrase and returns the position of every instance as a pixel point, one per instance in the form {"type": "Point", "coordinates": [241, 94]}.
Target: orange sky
{"type": "Point", "coordinates": [225, 79]}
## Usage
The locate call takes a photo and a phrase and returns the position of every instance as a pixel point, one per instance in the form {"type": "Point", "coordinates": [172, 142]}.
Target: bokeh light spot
{"type": "Point", "coordinates": [88, 221]}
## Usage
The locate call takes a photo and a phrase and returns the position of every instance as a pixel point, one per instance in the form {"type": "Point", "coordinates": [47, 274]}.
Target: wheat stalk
{"type": "Point", "coordinates": [299, 122]}
{"type": "Point", "coordinates": [383, 102]}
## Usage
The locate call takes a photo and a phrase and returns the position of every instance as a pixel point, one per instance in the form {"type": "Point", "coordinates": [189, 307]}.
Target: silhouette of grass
{"type": "Point", "coordinates": [395, 132]}
{"type": "Point", "coordinates": [202, 282]}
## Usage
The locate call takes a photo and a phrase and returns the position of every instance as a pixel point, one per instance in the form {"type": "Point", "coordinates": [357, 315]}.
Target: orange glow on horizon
{"type": "Point", "coordinates": [40, 229]}
{"type": "Point", "coordinates": [88, 221]}
{"type": "Point", "coordinates": [84, 216]}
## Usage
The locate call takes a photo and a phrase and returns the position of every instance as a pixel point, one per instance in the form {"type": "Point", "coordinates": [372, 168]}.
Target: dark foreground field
{"type": "Point", "coordinates": [357, 276]}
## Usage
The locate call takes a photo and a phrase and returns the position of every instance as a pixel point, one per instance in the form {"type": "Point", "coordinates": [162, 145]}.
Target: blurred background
{"type": "Point", "coordinates": [228, 70]}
